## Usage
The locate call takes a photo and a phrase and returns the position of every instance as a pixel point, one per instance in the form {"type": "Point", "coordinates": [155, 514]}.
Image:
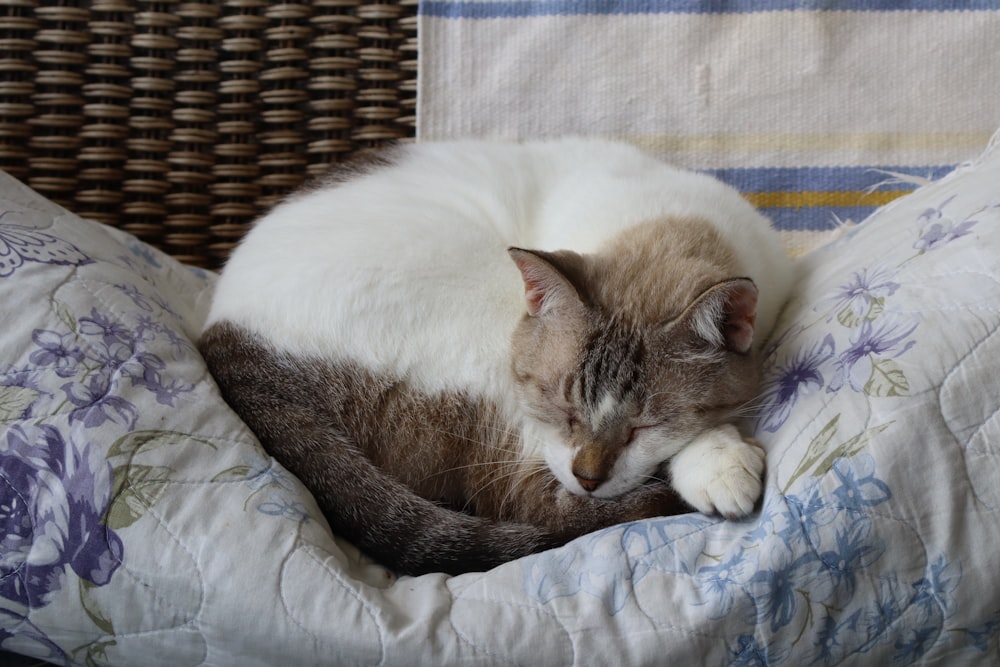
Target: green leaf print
{"type": "Point", "coordinates": [14, 401]}
{"type": "Point", "coordinates": [137, 441]}
{"type": "Point", "coordinates": [815, 450]}
{"type": "Point", "coordinates": [93, 611]}
{"type": "Point", "coordinates": [135, 489]}
{"type": "Point", "coordinates": [851, 320]}
{"type": "Point", "coordinates": [887, 379]}
{"type": "Point", "coordinates": [819, 458]}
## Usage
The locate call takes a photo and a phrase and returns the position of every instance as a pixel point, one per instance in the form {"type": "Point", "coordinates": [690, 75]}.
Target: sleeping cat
{"type": "Point", "coordinates": [472, 351]}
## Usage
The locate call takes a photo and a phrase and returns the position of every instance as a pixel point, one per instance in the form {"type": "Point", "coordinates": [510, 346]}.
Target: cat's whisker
{"type": "Point", "coordinates": [522, 471]}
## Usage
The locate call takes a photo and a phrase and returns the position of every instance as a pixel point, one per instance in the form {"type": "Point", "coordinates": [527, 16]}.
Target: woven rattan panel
{"type": "Point", "coordinates": [180, 122]}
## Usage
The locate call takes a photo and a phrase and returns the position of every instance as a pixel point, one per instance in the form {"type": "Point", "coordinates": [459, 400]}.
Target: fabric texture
{"type": "Point", "coordinates": [818, 112]}
{"type": "Point", "coordinates": [142, 524]}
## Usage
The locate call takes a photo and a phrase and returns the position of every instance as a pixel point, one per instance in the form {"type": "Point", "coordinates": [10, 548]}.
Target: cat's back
{"type": "Point", "coordinates": [392, 265]}
{"type": "Point", "coordinates": [404, 269]}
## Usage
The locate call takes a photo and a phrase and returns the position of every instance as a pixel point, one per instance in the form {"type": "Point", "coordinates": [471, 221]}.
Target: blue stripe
{"type": "Point", "coordinates": [824, 179]}
{"type": "Point", "coordinates": [526, 8]}
{"type": "Point", "coordinates": [818, 219]}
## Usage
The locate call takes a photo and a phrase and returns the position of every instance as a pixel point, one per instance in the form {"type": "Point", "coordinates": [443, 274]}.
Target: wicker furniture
{"type": "Point", "coordinates": [181, 121]}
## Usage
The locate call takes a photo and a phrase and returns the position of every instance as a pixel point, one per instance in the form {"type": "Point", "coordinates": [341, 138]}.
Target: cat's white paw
{"type": "Point", "coordinates": [719, 472]}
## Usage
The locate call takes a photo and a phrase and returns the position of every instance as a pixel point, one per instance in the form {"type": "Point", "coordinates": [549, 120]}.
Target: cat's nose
{"type": "Point", "coordinates": [588, 483]}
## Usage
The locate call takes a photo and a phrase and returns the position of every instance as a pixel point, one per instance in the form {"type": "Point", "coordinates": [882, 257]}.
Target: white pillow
{"type": "Point", "coordinates": [142, 523]}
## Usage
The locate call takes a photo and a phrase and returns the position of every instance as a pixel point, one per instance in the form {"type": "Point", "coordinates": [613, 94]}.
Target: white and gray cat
{"type": "Point", "coordinates": [472, 351]}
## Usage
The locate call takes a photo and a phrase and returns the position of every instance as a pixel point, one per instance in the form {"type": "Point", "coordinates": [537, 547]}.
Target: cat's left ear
{"type": "Point", "coordinates": [724, 315]}
{"type": "Point", "coordinates": [546, 287]}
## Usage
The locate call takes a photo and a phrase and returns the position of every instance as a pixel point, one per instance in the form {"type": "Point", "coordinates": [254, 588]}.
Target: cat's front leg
{"type": "Point", "coordinates": [719, 472]}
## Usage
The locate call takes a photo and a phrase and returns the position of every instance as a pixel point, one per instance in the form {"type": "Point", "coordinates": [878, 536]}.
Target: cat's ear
{"type": "Point", "coordinates": [546, 288]}
{"type": "Point", "coordinates": [724, 314]}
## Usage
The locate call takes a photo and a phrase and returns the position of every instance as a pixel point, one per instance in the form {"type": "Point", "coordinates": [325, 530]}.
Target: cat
{"type": "Point", "coordinates": [471, 351]}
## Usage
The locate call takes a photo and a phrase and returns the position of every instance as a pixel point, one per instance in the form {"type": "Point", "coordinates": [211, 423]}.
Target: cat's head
{"type": "Point", "coordinates": [613, 386]}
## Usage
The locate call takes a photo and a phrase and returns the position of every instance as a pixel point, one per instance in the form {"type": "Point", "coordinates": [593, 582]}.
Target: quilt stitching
{"type": "Point", "coordinates": [909, 610]}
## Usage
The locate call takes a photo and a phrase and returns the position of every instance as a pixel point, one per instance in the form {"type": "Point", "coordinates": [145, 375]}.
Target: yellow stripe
{"type": "Point", "coordinates": [824, 141]}
{"type": "Point", "coordinates": [810, 199]}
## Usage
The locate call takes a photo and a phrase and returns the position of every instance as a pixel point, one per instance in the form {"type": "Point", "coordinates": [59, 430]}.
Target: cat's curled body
{"type": "Point", "coordinates": [471, 351]}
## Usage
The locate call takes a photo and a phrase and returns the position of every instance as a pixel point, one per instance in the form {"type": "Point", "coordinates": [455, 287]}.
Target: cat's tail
{"type": "Point", "coordinates": [278, 397]}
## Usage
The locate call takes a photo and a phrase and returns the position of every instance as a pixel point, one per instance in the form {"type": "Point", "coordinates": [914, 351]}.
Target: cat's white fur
{"type": "Point", "coordinates": [445, 214]}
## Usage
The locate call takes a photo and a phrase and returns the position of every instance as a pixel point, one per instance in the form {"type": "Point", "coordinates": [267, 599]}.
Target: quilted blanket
{"type": "Point", "coordinates": [142, 524]}
{"type": "Point", "coordinates": [819, 111]}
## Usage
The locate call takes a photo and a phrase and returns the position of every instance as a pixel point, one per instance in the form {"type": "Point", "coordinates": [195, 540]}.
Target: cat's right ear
{"type": "Point", "coordinates": [546, 289]}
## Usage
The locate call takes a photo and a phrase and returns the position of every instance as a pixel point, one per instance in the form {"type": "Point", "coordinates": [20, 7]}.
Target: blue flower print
{"type": "Point", "coordinates": [801, 376]}
{"type": "Point", "coordinates": [58, 350]}
{"type": "Point", "coordinates": [854, 550]}
{"type": "Point", "coordinates": [890, 602]}
{"type": "Point", "coordinates": [749, 652]}
{"type": "Point", "coordinates": [833, 638]}
{"type": "Point", "coordinates": [856, 493]}
{"type": "Point", "coordinates": [721, 583]}
{"type": "Point", "coordinates": [914, 644]}
{"type": "Point", "coordinates": [885, 339]}
{"type": "Point", "coordinates": [777, 591]}
{"type": "Point", "coordinates": [293, 510]}
{"type": "Point", "coordinates": [595, 566]}
{"type": "Point", "coordinates": [981, 636]}
{"type": "Point", "coordinates": [52, 502]}
{"type": "Point", "coordinates": [933, 594]}
{"type": "Point", "coordinates": [145, 252]}
{"type": "Point", "coordinates": [805, 519]}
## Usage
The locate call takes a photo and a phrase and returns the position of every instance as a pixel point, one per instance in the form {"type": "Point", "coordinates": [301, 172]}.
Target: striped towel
{"type": "Point", "coordinates": [819, 111]}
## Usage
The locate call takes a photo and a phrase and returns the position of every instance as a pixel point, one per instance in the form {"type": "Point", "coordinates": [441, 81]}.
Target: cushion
{"type": "Point", "coordinates": [141, 523]}
{"type": "Point", "coordinates": [807, 107]}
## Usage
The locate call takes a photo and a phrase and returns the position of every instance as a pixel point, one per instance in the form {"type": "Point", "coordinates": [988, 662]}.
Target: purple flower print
{"type": "Point", "coordinates": [151, 377]}
{"type": "Point", "coordinates": [57, 350]}
{"type": "Point", "coordinates": [111, 356]}
{"type": "Point", "coordinates": [13, 624]}
{"type": "Point", "coordinates": [942, 233]}
{"type": "Point", "coordinates": [52, 503]}
{"type": "Point", "coordinates": [20, 244]}
{"type": "Point", "coordinates": [799, 377]}
{"type": "Point", "coordinates": [939, 229]}
{"type": "Point", "coordinates": [865, 289]}
{"type": "Point", "coordinates": [886, 339]}
{"type": "Point", "coordinates": [96, 404]}
{"type": "Point", "coordinates": [166, 392]}
{"type": "Point", "coordinates": [138, 298]}
{"type": "Point", "coordinates": [110, 331]}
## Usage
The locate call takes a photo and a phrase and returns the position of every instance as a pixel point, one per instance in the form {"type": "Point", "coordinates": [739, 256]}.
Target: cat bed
{"type": "Point", "coordinates": [143, 524]}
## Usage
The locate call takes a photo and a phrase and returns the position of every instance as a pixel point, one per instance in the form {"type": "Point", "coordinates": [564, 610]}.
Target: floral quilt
{"type": "Point", "coordinates": [141, 523]}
